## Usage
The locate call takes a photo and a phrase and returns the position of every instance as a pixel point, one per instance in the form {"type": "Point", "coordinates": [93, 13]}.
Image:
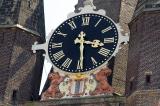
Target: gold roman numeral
{"type": "Point", "coordinates": [93, 61]}
{"type": "Point", "coordinates": [98, 22]}
{"type": "Point", "coordinates": [67, 63]}
{"type": "Point", "coordinates": [60, 33]}
{"type": "Point", "coordinates": [85, 21]}
{"type": "Point", "coordinates": [59, 55]}
{"type": "Point", "coordinates": [104, 51]}
{"type": "Point", "coordinates": [72, 25]}
{"type": "Point", "coordinates": [106, 29]}
{"type": "Point", "coordinates": [109, 40]}
{"type": "Point", "coordinates": [56, 45]}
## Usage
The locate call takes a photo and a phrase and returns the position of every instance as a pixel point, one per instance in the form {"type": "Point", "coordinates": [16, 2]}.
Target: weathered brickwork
{"type": "Point", "coordinates": [126, 14]}
{"type": "Point", "coordinates": [20, 69]}
{"type": "Point", "coordinates": [144, 98]}
{"type": "Point", "coordinates": [31, 15]}
{"type": "Point", "coordinates": [120, 66]}
{"type": "Point", "coordinates": [27, 13]}
{"type": "Point", "coordinates": [146, 5]}
{"type": "Point", "coordinates": [5, 55]}
{"type": "Point", "coordinates": [9, 10]}
{"type": "Point", "coordinates": [144, 59]}
{"type": "Point", "coordinates": [144, 50]}
{"type": "Point", "coordinates": [18, 64]}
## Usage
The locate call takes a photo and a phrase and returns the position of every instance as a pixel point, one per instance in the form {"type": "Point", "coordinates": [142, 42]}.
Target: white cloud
{"type": "Point", "coordinates": [56, 12]}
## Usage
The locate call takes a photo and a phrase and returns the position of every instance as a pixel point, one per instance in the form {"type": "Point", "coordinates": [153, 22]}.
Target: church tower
{"type": "Point", "coordinates": [143, 74]}
{"type": "Point", "coordinates": [21, 24]}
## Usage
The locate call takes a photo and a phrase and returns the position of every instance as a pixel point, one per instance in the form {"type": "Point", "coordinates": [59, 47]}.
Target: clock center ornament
{"type": "Point", "coordinates": [79, 50]}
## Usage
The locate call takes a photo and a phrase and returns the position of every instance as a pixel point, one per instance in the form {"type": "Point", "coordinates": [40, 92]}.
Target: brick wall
{"type": "Point", "coordinates": [20, 69]}
{"type": "Point", "coordinates": [120, 67]}
{"type": "Point", "coordinates": [17, 63]}
{"type": "Point", "coordinates": [144, 51]}
{"type": "Point", "coordinates": [119, 75]}
{"type": "Point", "coordinates": [144, 58]}
{"type": "Point", "coordinates": [9, 10]}
{"type": "Point", "coordinates": [6, 46]}
{"type": "Point", "coordinates": [144, 98]}
{"type": "Point", "coordinates": [31, 16]}
{"type": "Point", "coordinates": [28, 14]}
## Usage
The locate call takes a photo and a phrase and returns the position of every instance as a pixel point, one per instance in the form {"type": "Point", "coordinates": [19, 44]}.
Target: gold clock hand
{"type": "Point", "coordinates": [95, 44]}
{"type": "Point", "coordinates": [81, 41]}
{"type": "Point", "coordinates": [88, 42]}
{"type": "Point", "coordinates": [81, 55]}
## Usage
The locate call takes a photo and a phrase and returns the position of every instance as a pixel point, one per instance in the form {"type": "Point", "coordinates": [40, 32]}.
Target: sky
{"type": "Point", "coordinates": [56, 12]}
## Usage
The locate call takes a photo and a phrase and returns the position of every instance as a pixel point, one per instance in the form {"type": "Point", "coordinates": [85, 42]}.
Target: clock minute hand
{"type": "Point", "coordinates": [95, 44]}
{"type": "Point", "coordinates": [81, 41]}
{"type": "Point", "coordinates": [81, 55]}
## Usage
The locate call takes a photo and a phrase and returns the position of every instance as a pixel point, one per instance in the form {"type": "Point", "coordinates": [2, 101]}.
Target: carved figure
{"type": "Point", "coordinates": [91, 84]}
{"type": "Point", "coordinates": [103, 86]}
{"type": "Point", "coordinates": [64, 87]}
{"type": "Point", "coordinates": [53, 90]}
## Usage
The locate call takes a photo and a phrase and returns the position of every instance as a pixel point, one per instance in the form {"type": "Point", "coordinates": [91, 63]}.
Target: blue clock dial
{"type": "Point", "coordinates": [83, 43]}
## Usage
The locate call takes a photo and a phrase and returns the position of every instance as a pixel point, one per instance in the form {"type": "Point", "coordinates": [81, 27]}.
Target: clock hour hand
{"type": "Point", "coordinates": [95, 43]}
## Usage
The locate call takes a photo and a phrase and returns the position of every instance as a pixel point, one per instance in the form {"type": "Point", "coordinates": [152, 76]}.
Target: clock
{"type": "Point", "coordinates": [83, 43]}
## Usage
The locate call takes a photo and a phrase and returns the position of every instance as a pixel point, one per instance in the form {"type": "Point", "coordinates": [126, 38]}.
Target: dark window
{"type": "Point", "coordinates": [148, 79]}
{"type": "Point", "coordinates": [148, 6]}
{"type": "Point", "coordinates": [131, 85]}
{"type": "Point", "coordinates": [1, 38]}
{"type": "Point", "coordinates": [157, 5]}
{"type": "Point", "coordinates": [121, 104]}
{"type": "Point", "coordinates": [14, 95]}
{"type": "Point", "coordinates": [111, 66]}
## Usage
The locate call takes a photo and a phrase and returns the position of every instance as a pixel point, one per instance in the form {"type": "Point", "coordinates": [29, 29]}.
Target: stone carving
{"type": "Point", "coordinates": [53, 90]}
{"type": "Point", "coordinates": [70, 89]}
{"type": "Point", "coordinates": [103, 86]}
{"type": "Point", "coordinates": [77, 91]}
{"type": "Point", "coordinates": [66, 87]}
{"type": "Point", "coordinates": [158, 104]}
{"type": "Point", "coordinates": [91, 84]}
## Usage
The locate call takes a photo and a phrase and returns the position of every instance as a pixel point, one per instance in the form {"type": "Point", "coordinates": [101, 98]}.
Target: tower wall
{"type": "Point", "coordinates": [28, 14]}
{"type": "Point", "coordinates": [120, 67]}
{"type": "Point", "coordinates": [144, 59]}
{"type": "Point", "coordinates": [21, 24]}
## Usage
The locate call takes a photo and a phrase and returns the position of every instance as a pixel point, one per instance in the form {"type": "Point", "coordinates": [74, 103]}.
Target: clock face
{"type": "Point", "coordinates": [83, 43]}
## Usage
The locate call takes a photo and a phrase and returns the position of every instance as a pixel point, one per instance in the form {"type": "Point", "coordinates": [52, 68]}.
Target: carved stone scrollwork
{"type": "Point", "coordinates": [103, 86]}
{"type": "Point", "coordinates": [66, 87]}
{"type": "Point", "coordinates": [53, 90]}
